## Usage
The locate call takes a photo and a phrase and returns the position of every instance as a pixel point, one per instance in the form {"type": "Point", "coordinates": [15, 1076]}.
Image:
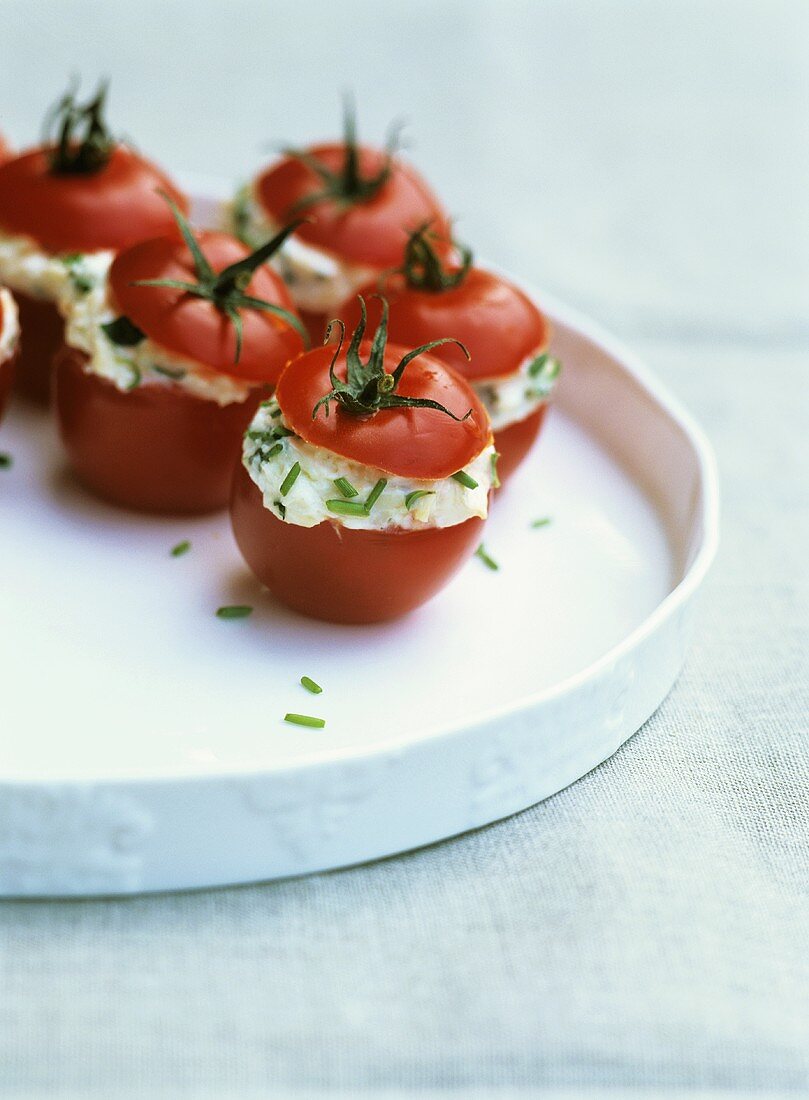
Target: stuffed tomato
{"type": "Point", "coordinates": [164, 364]}
{"type": "Point", "coordinates": [364, 481]}
{"type": "Point", "coordinates": [360, 203]}
{"type": "Point", "coordinates": [9, 343]}
{"type": "Point", "coordinates": [66, 207]}
{"type": "Point", "coordinates": [506, 334]}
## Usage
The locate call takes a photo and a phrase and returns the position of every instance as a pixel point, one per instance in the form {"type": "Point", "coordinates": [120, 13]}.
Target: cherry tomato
{"type": "Point", "coordinates": [342, 575]}
{"type": "Point", "coordinates": [194, 328]}
{"type": "Point", "coordinates": [499, 325]}
{"type": "Point", "coordinates": [370, 232]}
{"type": "Point", "coordinates": [418, 443]}
{"type": "Point", "coordinates": [86, 212]}
{"type": "Point", "coordinates": [156, 448]}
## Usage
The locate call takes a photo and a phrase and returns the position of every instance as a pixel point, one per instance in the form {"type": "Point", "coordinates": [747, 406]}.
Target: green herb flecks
{"type": "Point", "coordinates": [180, 549]}
{"type": "Point", "coordinates": [543, 372]}
{"type": "Point", "coordinates": [487, 560]}
{"type": "Point", "coordinates": [76, 135]}
{"type": "Point", "coordinates": [122, 332]}
{"type": "Point", "coordinates": [541, 522]}
{"type": "Point", "coordinates": [282, 508]}
{"type": "Point", "coordinates": [367, 387]}
{"type": "Point", "coordinates": [174, 373]}
{"type": "Point", "coordinates": [310, 685]}
{"type": "Point", "coordinates": [415, 496]}
{"type": "Point", "coordinates": [81, 280]}
{"type": "Point", "coordinates": [235, 611]}
{"type": "Point", "coordinates": [345, 487]}
{"type": "Point", "coordinates": [290, 479]}
{"type": "Point", "coordinates": [305, 720]}
{"type": "Point", "coordinates": [495, 475]}
{"type": "Point", "coordinates": [6, 461]}
{"type": "Point", "coordinates": [347, 507]}
{"type": "Point", "coordinates": [227, 289]}
{"type": "Point", "coordinates": [375, 494]}
{"type": "Point", "coordinates": [347, 186]}
{"type": "Point", "coordinates": [463, 478]}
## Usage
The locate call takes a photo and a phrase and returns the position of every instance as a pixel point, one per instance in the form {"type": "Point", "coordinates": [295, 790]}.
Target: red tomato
{"type": "Point", "coordinates": [499, 325]}
{"type": "Point", "coordinates": [372, 231]}
{"type": "Point", "coordinates": [419, 443]}
{"type": "Point", "coordinates": [41, 334]}
{"type": "Point", "coordinates": [86, 212]}
{"type": "Point", "coordinates": [194, 328]}
{"type": "Point", "coordinates": [5, 149]}
{"type": "Point", "coordinates": [342, 575]}
{"type": "Point", "coordinates": [156, 448]}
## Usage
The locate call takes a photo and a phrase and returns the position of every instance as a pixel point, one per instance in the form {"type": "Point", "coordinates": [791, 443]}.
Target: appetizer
{"type": "Point", "coordinates": [505, 333]}
{"type": "Point", "coordinates": [360, 204]}
{"type": "Point", "coordinates": [65, 208]}
{"type": "Point", "coordinates": [365, 480]}
{"type": "Point", "coordinates": [9, 343]}
{"type": "Point", "coordinates": [164, 363]}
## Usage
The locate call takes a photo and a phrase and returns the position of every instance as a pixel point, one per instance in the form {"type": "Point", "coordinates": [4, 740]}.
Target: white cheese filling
{"type": "Point", "coordinates": [318, 281]}
{"type": "Point", "coordinates": [10, 333]}
{"type": "Point", "coordinates": [143, 363]}
{"type": "Point", "coordinates": [56, 277]}
{"type": "Point", "coordinates": [513, 397]}
{"type": "Point", "coordinates": [270, 453]}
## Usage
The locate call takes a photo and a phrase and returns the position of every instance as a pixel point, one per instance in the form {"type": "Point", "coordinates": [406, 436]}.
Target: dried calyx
{"type": "Point", "coordinates": [423, 267]}
{"type": "Point", "coordinates": [368, 387]}
{"type": "Point", "coordinates": [226, 289]}
{"type": "Point", "coordinates": [76, 135]}
{"type": "Point", "coordinates": [348, 185]}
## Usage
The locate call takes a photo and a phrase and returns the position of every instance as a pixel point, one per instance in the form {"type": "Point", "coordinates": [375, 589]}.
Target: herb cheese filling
{"type": "Point", "coordinates": [317, 281]}
{"type": "Point", "coordinates": [306, 485]}
{"type": "Point", "coordinates": [10, 332]}
{"type": "Point", "coordinates": [515, 396]}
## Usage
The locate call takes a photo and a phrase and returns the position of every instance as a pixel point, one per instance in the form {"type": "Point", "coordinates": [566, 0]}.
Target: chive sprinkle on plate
{"type": "Point", "coordinates": [6, 461]}
{"type": "Point", "coordinates": [310, 685]}
{"type": "Point", "coordinates": [305, 720]}
{"type": "Point", "coordinates": [488, 561]}
{"type": "Point", "coordinates": [235, 611]}
{"type": "Point", "coordinates": [541, 522]}
{"type": "Point", "coordinates": [180, 549]}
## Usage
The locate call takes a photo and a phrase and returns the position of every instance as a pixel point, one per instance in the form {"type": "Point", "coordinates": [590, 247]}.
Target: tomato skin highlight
{"type": "Point", "coordinates": [108, 209]}
{"type": "Point", "coordinates": [499, 324]}
{"type": "Point", "coordinates": [372, 232]}
{"type": "Point", "coordinates": [156, 448]}
{"type": "Point", "coordinates": [513, 442]}
{"type": "Point", "coordinates": [194, 328]}
{"type": "Point", "coordinates": [41, 334]}
{"type": "Point", "coordinates": [423, 444]}
{"type": "Point", "coordinates": [345, 575]}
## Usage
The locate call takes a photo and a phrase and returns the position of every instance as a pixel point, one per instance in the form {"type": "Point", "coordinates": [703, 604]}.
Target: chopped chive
{"type": "Point", "coordinates": [375, 494]}
{"type": "Point", "coordinates": [274, 450]}
{"type": "Point", "coordinates": [6, 461]}
{"type": "Point", "coordinates": [276, 412]}
{"type": "Point", "coordinates": [541, 522]}
{"type": "Point", "coordinates": [282, 508]}
{"type": "Point", "coordinates": [305, 720]}
{"type": "Point", "coordinates": [310, 685]}
{"type": "Point", "coordinates": [495, 475]}
{"type": "Point", "coordinates": [345, 487]}
{"type": "Point", "coordinates": [180, 549]}
{"type": "Point", "coordinates": [290, 479]}
{"type": "Point", "coordinates": [488, 561]}
{"type": "Point", "coordinates": [123, 332]}
{"type": "Point", "coordinates": [347, 507]}
{"type": "Point", "coordinates": [417, 494]}
{"type": "Point", "coordinates": [464, 479]}
{"type": "Point", "coordinates": [169, 372]}
{"type": "Point", "coordinates": [237, 611]}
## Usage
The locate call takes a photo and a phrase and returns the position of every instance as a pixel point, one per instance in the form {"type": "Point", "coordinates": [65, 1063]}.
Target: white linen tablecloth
{"type": "Point", "coordinates": [648, 928]}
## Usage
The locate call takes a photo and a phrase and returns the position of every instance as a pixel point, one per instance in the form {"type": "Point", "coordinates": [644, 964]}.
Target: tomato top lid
{"type": "Point", "coordinates": [209, 299]}
{"type": "Point", "coordinates": [497, 322]}
{"type": "Point", "coordinates": [82, 190]}
{"type": "Point", "coordinates": [403, 412]}
{"type": "Point", "coordinates": [361, 201]}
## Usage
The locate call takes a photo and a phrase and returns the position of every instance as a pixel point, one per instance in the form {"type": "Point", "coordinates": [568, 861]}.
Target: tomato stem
{"type": "Point", "coordinates": [422, 266]}
{"type": "Point", "coordinates": [82, 143]}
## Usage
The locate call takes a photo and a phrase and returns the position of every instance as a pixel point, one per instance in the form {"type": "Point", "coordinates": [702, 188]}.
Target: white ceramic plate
{"type": "Point", "coordinates": [142, 742]}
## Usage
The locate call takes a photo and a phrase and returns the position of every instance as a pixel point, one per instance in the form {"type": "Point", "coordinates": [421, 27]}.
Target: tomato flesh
{"type": "Point", "coordinates": [41, 333]}
{"type": "Point", "coordinates": [419, 443]}
{"type": "Point", "coordinates": [513, 442]}
{"type": "Point", "coordinates": [343, 575]}
{"type": "Point", "coordinates": [108, 209]}
{"type": "Point", "coordinates": [373, 232]}
{"type": "Point", "coordinates": [156, 448]}
{"type": "Point", "coordinates": [194, 328]}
